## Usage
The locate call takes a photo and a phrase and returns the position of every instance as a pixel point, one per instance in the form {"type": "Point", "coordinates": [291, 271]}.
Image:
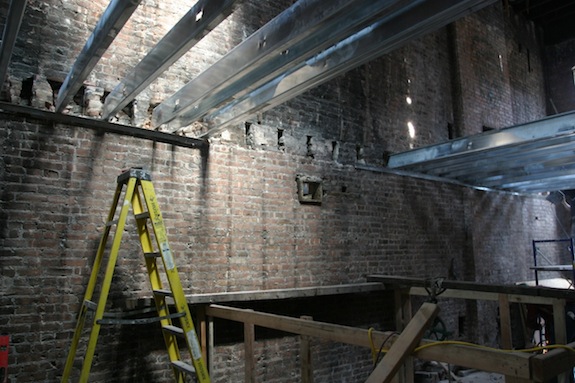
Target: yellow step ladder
{"type": "Point", "coordinates": [139, 193]}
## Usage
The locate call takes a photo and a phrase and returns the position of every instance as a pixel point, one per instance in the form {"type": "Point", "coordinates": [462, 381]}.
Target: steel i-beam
{"type": "Point", "coordinates": [299, 32]}
{"type": "Point", "coordinates": [106, 30]}
{"type": "Point", "coordinates": [371, 42]}
{"type": "Point", "coordinates": [204, 16]}
{"type": "Point", "coordinates": [13, 22]}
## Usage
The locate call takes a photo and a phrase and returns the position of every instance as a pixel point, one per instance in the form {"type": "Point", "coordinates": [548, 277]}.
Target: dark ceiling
{"type": "Point", "coordinates": [555, 17]}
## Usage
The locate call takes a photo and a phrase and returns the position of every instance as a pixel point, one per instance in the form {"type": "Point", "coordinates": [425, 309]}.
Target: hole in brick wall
{"type": "Point", "coordinates": [386, 156]}
{"type": "Point", "coordinates": [359, 153]}
{"type": "Point", "coordinates": [309, 189]}
{"type": "Point", "coordinates": [450, 131]}
{"type": "Point", "coordinates": [344, 189]}
{"type": "Point", "coordinates": [309, 146]}
{"type": "Point", "coordinates": [27, 91]}
{"type": "Point", "coordinates": [281, 139]}
{"type": "Point", "coordinates": [334, 150]}
{"type": "Point", "coordinates": [128, 109]}
{"type": "Point", "coordinates": [79, 96]}
{"type": "Point", "coordinates": [486, 128]}
{"type": "Point", "coordinates": [249, 134]}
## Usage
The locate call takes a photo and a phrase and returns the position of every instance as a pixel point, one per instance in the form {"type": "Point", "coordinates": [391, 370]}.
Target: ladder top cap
{"type": "Point", "coordinates": [138, 173]}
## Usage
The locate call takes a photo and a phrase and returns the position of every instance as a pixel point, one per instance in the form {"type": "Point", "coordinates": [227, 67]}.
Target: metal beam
{"type": "Point", "coordinates": [300, 32]}
{"type": "Point", "coordinates": [544, 128]}
{"type": "Point", "coordinates": [106, 30]}
{"type": "Point", "coordinates": [102, 126]}
{"type": "Point", "coordinates": [371, 42]}
{"type": "Point", "coordinates": [13, 22]}
{"type": "Point", "coordinates": [204, 16]}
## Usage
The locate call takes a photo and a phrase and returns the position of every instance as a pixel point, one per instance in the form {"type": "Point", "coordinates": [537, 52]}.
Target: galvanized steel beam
{"type": "Point", "coordinates": [298, 33]}
{"type": "Point", "coordinates": [13, 22]}
{"type": "Point", "coordinates": [204, 16]}
{"type": "Point", "coordinates": [371, 42]}
{"type": "Point", "coordinates": [544, 128]}
{"type": "Point", "coordinates": [106, 30]}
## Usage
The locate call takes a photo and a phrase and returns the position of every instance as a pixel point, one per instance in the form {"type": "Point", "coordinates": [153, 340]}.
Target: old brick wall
{"type": "Point", "coordinates": [560, 59]}
{"type": "Point", "coordinates": [233, 217]}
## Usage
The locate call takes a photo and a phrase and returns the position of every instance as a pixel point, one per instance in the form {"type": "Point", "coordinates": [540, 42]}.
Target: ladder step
{"type": "Point", "coordinates": [174, 330]}
{"type": "Point", "coordinates": [90, 305]}
{"type": "Point", "coordinates": [144, 215]}
{"type": "Point", "coordinates": [184, 367]}
{"type": "Point", "coordinates": [156, 254]}
{"type": "Point", "coordinates": [111, 223]}
{"type": "Point", "coordinates": [164, 293]}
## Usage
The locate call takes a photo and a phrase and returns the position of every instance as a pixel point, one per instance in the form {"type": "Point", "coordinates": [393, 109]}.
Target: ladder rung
{"type": "Point", "coordinates": [174, 330]}
{"type": "Point", "coordinates": [144, 215]}
{"type": "Point", "coordinates": [184, 367]}
{"type": "Point", "coordinates": [156, 254]}
{"type": "Point", "coordinates": [164, 293]}
{"type": "Point", "coordinates": [111, 223]}
{"type": "Point", "coordinates": [90, 305]}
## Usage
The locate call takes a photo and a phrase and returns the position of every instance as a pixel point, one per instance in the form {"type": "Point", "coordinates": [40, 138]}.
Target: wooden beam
{"type": "Point", "coordinates": [404, 344]}
{"type": "Point", "coordinates": [477, 288]}
{"type": "Point", "coordinates": [512, 364]}
{"type": "Point", "coordinates": [546, 366]}
{"type": "Point", "coordinates": [482, 295]}
{"type": "Point", "coordinates": [301, 292]}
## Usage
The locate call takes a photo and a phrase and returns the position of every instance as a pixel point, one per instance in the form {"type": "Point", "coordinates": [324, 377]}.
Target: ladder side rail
{"type": "Point", "coordinates": [99, 314]}
{"type": "Point", "coordinates": [91, 287]}
{"type": "Point", "coordinates": [156, 284]}
{"type": "Point", "coordinates": [174, 281]}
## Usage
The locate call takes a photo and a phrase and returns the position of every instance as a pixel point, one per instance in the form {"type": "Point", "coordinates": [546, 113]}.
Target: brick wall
{"type": "Point", "coordinates": [561, 84]}
{"type": "Point", "coordinates": [233, 217]}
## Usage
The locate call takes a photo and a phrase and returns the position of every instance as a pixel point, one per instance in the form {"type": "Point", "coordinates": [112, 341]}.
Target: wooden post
{"type": "Point", "coordinates": [506, 331]}
{"type": "Point", "coordinates": [404, 345]}
{"type": "Point", "coordinates": [211, 344]}
{"type": "Point", "coordinates": [402, 316]}
{"type": "Point", "coordinates": [560, 325]}
{"type": "Point", "coordinates": [250, 364]}
{"type": "Point", "coordinates": [203, 332]}
{"type": "Point", "coordinates": [305, 356]}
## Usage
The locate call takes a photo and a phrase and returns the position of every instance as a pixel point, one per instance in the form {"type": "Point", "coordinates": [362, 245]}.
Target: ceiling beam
{"type": "Point", "coordinates": [298, 33]}
{"type": "Point", "coordinates": [13, 22]}
{"type": "Point", "coordinates": [106, 30]}
{"type": "Point", "coordinates": [545, 128]}
{"type": "Point", "coordinates": [204, 16]}
{"type": "Point", "coordinates": [371, 42]}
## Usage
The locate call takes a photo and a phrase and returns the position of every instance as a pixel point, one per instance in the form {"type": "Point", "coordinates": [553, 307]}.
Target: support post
{"type": "Point", "coordinates": [506, 332]}
{"type": "Point", "coordinates": [560, 326]}
{"type": "Point", "coordinates": [249, 340]}
{"type": "Point", "coordinates": [211, 344]}
{"type": "Point", "coordinates": [305, 356]}
{"type": "Point", "coordinates": [203, 331]}
{"type": "Point", "coordinates": [403, 315]}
